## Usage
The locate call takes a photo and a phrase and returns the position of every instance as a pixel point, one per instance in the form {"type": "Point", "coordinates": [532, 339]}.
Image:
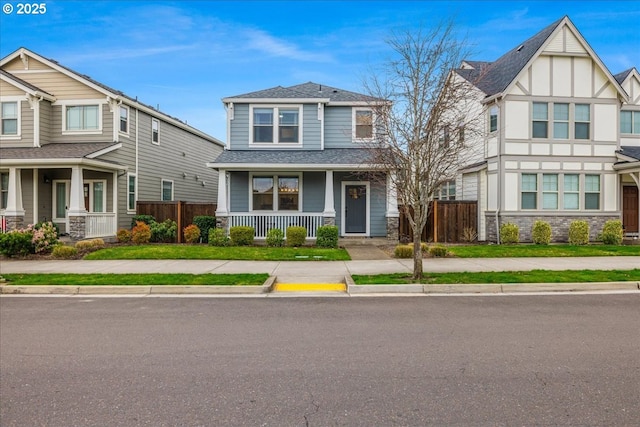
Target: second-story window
{"type": "Point", "coordinates": [124, 119]}
{"type": "Point", "coordinates": [276, 125]}
{"type": "Point", "coordinates": [630, 122]}
{"type": "Point", "coordinates": [9, 118]}
{"type": "Point", "coordinates": [582, 121]}
{"type": "Point", "coordinates": [363, 123]}
{"type": "Point", "coordinates": [493, 119]}
{"type": "Point", "coordinates": [82, 117]}
{"type": "Point", "coordinates": [540, 120]}
{"type": "Point", "coordinates": [155, 131]}
{"type": "Point", "coordinates": [560, 121]}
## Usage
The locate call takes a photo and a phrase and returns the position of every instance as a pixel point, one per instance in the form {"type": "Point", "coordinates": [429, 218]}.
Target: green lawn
{"type": "Point", "coordinates": [253, 253]}
{"type": "Point", "coordinates": [530, 250]}
{"type": "Point", "coordinates": [535, 276]}
{"type": "Point", "coordinates": [136, 279]}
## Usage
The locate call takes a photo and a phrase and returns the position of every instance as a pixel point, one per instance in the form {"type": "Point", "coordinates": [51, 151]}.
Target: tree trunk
{"type": "Point", "coordinates": [417, 252]}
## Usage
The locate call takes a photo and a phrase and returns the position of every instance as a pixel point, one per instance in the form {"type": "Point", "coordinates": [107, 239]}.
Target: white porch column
{"type": "Point", "coordinates": [222, 209]}
{"type": "Point", "coordinates": [392, 197]}
{"type": "Point", "coordinates": [329, 206]}
{"type": "Point", "coordinates": [14, 196]}
{"type": "Point", "coordinates": [76, 202]}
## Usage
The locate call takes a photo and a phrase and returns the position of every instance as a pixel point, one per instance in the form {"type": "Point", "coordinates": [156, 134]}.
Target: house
{"type": "Point", "coordinates": [298, 155]}
{"type": "Point", "coordinates": [561, 138]}
{"type": "Point", "coordinates": [81, 154]}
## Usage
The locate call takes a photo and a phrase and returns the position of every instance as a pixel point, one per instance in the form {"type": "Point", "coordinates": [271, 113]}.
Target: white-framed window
{"type": "Point", "coordinates": [550, 191]}
{"type": "Point", "coordinates": [560, 121]}
{"type": "Point", "coordinates": [592, 192]}
{"type": "Point", "coordinates": [447, 191]}
{"type": "Point", "coordinates": [4, 189]}
{"type": "Point", "coordinates": [493, 119]}
{"type": "Point", "coordinates": [540, 125]}
{"type": "Point", "coordinates": [571, 191]}
{"type": "Point", "coordinates": [155, 131]}
{"type": "Point", "coordinates": [529, 191]}
{"type": "Point", "coordinates": [582, 121]}
{"type": "Point", "coordinates": [95, 193]}
{"type": "Point", "coordinates": [82, 118]}
{"type": "Point", "coordinates": [363, 124]}
{"type": "Point", "coordinates": [275, 192]}
{"type": "Point", "coordinates": [167, 190]}
{"type": "Point", "coordinates": [630, 122]}
{"type": "Point", "coordinates": [132, 191]}
{"type": "Point", "coordinates": [10, 114]}
{"type": "Point", "coordinates": [272, 125]}
{"type": "Point", "coordinates": [124, 119]}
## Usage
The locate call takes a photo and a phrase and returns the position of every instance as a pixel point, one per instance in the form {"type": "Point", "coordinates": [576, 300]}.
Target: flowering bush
{"type": "Point", "coordinates": [45, 237]}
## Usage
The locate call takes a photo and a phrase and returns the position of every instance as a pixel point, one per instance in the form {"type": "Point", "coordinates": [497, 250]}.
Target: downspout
{"type": "Point", "coordinates": [499, 195]}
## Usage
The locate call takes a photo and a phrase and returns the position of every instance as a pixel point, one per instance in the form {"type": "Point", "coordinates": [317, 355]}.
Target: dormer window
{"type": "Point", "coordinates": [276, 125]}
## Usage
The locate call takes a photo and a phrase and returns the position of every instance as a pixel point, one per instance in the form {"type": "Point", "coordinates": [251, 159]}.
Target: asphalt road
{"type": "Point", "coordinates": [411, 361]}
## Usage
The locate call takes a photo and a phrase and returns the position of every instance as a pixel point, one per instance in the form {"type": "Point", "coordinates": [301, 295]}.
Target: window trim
{"type": "Point", "coordinates": [135, 192]}
{"type": "Point", "coordinates": [157, 142]}
{"type": "Point", "coordinates": [534, 120]}
{"type": "Point", "coordinates": [354, 113]}
{"type": "Point", "coordinates": [444, 191]}
{"type": "Point", "coordinates": [493, 109]}
{"type": "Point", "coordinates": [562, 192]}
{"type": "Point", "coordinates": [529, 191]}
{"type": "Point", "coordinates": [162, 181]}
{"type": "Point", "coordinates": [565, 192]}
{"type": "Point", "coordinates": [599, 192]}
{"type": "Point", "coordinates": [81, 103]}
{"type": "Point", "coordinates": [275, 176]}
{"type": "Point", "coordinates": [128, 119]}
{"type": "Point", "coordinates": [18, 101]}
{"type": "Point", "coordinates": [92, 194]}
{"type": "Point", "coordinates": [555, 192]}
{"type": "Point", "coordinates": [3, 203]}
{"type": "Point", "coordinates": [276, 125]}
{"type": "Point", "coordinates": [576, 122]}
{"type": "Point", "coordinates": [563, 121]}
{"type": "Point", "coordinates": [634, 130]}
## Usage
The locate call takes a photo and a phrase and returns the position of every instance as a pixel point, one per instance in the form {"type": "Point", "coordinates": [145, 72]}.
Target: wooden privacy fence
{"type": "Point", "coordinates": [446, 223]}
{"type": "Point", "coordinates": [180, 212]}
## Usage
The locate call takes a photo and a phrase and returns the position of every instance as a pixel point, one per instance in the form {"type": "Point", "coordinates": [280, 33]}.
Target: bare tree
{"type": "Point", "coordinates": [423, 127]}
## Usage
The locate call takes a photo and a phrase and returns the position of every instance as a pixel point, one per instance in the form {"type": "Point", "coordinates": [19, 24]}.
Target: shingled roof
{"type": "Point", "coordinates": [621, 77]}
{"type": "Point", "coordinates": [54, 151]}
{"type": "Point", "coordinates": [309, 90]}
{"type": "Point", "coordinates": [630, 151]}
{"type": "Point", "coordinates": [328, 156]}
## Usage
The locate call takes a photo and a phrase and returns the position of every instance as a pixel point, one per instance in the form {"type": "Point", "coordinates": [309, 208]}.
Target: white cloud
{"type": "Point", "coordinates": [272, 46]}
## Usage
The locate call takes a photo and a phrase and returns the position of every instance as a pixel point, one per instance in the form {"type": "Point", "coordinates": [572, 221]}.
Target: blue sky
{"type": "Point", "coordinates": [186, 55]}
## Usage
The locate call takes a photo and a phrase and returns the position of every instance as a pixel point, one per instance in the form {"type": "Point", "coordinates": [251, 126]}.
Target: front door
{"type": "Point", "coordinates": [630, 209]}
{"type": "Point", "coordinates": [355, 209]}
{"type": "Point", "coordinates": [60, 205]}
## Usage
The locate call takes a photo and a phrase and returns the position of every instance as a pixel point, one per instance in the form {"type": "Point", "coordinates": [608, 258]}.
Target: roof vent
{"type": "Point", "coordinates": [520, 48]}
{"type": "Point", "coordinates": [319, 88]}
{"type": "Point", "coordinates": [335, 91]}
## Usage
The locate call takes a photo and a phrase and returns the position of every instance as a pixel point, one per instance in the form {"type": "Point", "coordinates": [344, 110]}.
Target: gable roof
{"type": "Point", "coordinates": [310, 91]}
{"type": "Point", "coordinates": [106, 90]}
{"type": "Point", "coordinates": [495, 78]}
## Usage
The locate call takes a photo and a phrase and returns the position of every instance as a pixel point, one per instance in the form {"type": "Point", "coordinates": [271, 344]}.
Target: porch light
{"type": "Point", "coordinates": [46, 179]}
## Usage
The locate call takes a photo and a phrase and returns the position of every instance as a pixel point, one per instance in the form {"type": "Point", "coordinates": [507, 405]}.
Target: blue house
{"type": "Point", "coordinates": [299, 156]}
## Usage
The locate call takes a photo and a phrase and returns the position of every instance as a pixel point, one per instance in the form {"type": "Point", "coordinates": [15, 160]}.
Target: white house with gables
{"type": "Point", "coordinates": [562, 137]}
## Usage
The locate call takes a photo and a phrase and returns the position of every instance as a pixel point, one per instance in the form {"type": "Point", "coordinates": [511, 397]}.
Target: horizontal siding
{"type": "Point", "coordinates": [313, 184]}
{"type": "Point", "coordinates": [240, 127]}
{"type": "Point", "coordinates": [311, 127]}
{"type": "Point", "coordinates": [337, 125]}
{"type": "Point", "coordinates": [377, 208]}
{"type": "Point", "coordinates": [26, 128]}
{"type": "Point", "coordinates": [56, 128]}
{"type": "Point", "coordinates": [7, 89]}
{"type": "Point", "coordinates": [46, 121]}
{"type": "Point", "coordinates": [60, 85]}
{"type": "Point", "coordinates": [239, 192]}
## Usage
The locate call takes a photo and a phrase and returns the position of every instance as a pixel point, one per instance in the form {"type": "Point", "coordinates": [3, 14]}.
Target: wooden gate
{"type": "Point", "coordinates": [448, 222]}
{"type": "Point", "coordinates": [180, 212]}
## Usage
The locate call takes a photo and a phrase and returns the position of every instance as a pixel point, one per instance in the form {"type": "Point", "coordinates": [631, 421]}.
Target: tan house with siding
{"type": "Point", "coordinates": [81, 154]}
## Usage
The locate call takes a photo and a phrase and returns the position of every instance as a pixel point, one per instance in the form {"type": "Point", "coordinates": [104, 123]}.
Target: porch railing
{"type": "Point", "coordinates": [100, 224]}
{"type": "Point", "coordinates": [264, 222]}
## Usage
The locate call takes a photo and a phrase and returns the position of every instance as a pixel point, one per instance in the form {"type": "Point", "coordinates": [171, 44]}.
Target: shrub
{"type": "Point", "coordinates": [438, 251]}
{"type": "Point", "coordinates": [147, 219]}
{"type": "Point", "coordinates": [45, 237]}
{"type": "Point", "coordinates": [541, 233]}
{"type": "Point", "coordinates": [579, 232]}
{"type": "Point", "coordinates": [612, 232]}
{"type": "Point", "coordinates": [191, 233]}
{"type": "Point", "coordinates": [327, 236]}
{"type": "Point", "coordinates": [204, 223]}
{"type": "Point", "coordinates": [469, 235]}
{"type": "Point", "coordinates": [296, 235]}
{"type": "Point", "coordinates": [218, 237]}
{"type": "Point", "coordinates": [17, 243]}
{"type": "Point", "coordinates": [89, 245]}
{"type": "Point", "coordinates": [123, 235]}
{"type": "Point", "coordinates": [141, 233]}
{"type": "Point", "coordinates": [403, 251]}
{"type": "Point", "coordinates": [64, 252]}
{"type": "Point", "coordinates": [509, 233]}
{"type": "Point", "coordinates": [164, 232]}
{"type": "Point", "coordinates": [275, 237]}
{"type": "Point", "coordinates": [242, 235]}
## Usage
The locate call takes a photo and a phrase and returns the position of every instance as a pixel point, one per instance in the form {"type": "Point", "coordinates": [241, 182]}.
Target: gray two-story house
{"type": "Point", "coordinates": [298, 156]}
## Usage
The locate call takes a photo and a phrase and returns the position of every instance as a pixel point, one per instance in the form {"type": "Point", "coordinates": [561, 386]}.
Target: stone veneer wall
{"type": "Point", "coordinates": [14, 222]}
{"type": "Point", "coordinates": [559, 225]}
{"type": "Point", "coordinates": [77, 227]}
{"type": "Point", "coordinates": [393, 226]}
{"type": "Point", "coordinates": [329, 220]}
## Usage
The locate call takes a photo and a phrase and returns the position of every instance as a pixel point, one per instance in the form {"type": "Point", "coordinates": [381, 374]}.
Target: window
{"type": "Point", "coordinates": [549, 191]}
{"type": "Point", "coordinates": [540, 120]}
{"type": "Point", "coordinates": [131, 192]}
{"type": "Point", "coordinates": [4, 190]}
{"type": "Point", "coordinates": [124, 119]}
{"type": "Point", "coordinates": [571, 191]}
{"type": "Point", "coordinates": [582, 121]}
{"type": "Point", "coordinates": [82, 117]}
{"type": "Point", "coordinates": [167, 190]}
{"type": "Point", "coordinates": [630, 122]}
{"type": "Point", "coordinates": [10, 118]}
{"type": "Point", "coordinates": [155, 131]}
{"type": "Point", "coordinates": [493, 119]}
{"type": "Point", "coordinates": [561, 121]}
{"type": "Point", "coordinates": [286, 130]}
{"type": "Point", "coordinates": [529, 191]}
{"type": "Point", "coordinates": [592, 192]}
{"type": "Point", "coordinates": [447, 191]}
{"type": "Point", "coordinates": [363, 122]}
{"type": "Point", "coordinates": [98, 195]}
{"type": "Point", "coordinates": [266, 196]}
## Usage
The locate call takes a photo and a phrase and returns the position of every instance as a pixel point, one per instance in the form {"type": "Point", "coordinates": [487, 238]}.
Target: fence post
{"type": "Point", "coordinates": [435, 221]}
{"type": "Point", "coordinates": [179, 232]}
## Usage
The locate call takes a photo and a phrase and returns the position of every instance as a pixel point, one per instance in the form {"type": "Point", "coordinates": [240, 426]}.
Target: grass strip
{"type": "Point", "coordinates": [152, 279]}
{"type": "Point", "coordinates": [534, 276]}
{"type": "Point", "coordinates": [252, 253]}
{"type": "Point", "coordinates": [530, 250]}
